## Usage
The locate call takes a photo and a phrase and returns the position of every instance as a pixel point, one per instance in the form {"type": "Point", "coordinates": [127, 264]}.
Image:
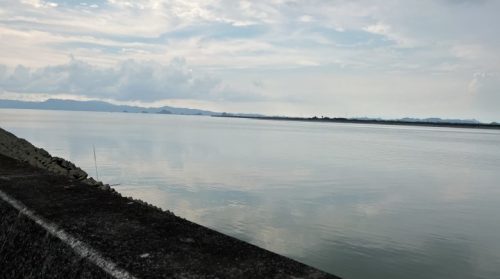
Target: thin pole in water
{"type": "Point", "coordinates": [95, 164]}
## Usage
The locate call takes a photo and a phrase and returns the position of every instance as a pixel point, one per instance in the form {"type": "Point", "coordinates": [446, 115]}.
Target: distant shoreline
{"type": "Point", "coordinates": [371, 121]}
{"type": "Point", "coordinates": [99, 106]}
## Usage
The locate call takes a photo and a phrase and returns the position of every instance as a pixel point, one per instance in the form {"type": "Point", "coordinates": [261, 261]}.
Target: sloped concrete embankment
{"type": "Point", "coordinates": [24, 151]}
{"type": "Point", "coordinates": [28, 251]}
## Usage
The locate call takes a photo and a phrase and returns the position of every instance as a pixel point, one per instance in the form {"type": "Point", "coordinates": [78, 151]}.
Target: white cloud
{"type": "Point", "coordinates": [469, 52]}
{"type": "Point", "coordinates": [306, 18]}
{"type": "Point", "coordinates": [484, 89]}
{"type": "Point", "coordinates": [130, 80]}
{"type": "Point", "coordinates": [242, 41]}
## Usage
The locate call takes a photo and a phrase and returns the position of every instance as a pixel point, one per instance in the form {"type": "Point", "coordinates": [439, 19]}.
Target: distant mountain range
{"type": "Point", "coordinates": [57, 104]}
{"type": "Point", "coordinates": [72, 105]}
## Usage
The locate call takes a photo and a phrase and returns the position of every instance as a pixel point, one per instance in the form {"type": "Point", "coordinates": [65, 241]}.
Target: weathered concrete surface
{"type": "Point", "coordinates": [28, 251]}
{"type": "Point", "coordinates": [145, 241]}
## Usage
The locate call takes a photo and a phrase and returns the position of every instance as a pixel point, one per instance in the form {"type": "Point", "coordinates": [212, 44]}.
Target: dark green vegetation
{"type": "Point", "coordinates": [441, 123]}
{"type": "Point", "coordinates": [145, 241]}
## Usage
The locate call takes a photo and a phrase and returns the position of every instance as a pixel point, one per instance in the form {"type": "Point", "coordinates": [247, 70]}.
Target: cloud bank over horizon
{"type": "Point", "coordinates": [130, 80]}
{"type": "Point", "coordinates": [317, 57]}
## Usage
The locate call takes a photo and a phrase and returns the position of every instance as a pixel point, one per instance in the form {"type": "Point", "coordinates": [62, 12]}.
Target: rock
{"type": "Point", "coordinates": [105, 187]}
{"type": "Point", "coordinates": [65, 164]}
{"type": "Point", "coordinates": [43, 152]}
{"type": "Point", "coordinates": [32, 161]}
{"type": "Point", "coordinates": [91, 181]}
{"type": "Point", "coordinates": [77, 174]}
{"type": "Point", "coordinates": [61, 171]}
{"type": "Point", "coordinates": [22, 150]}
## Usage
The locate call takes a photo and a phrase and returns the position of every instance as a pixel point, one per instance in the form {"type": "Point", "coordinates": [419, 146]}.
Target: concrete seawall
{"type": "Point", "coordinates": [22, 150]}
{"type": "Point", "coordinates": [57, 223]}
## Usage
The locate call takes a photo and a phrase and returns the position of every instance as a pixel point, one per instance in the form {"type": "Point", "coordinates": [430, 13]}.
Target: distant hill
{"type": "Point", "coordinates": [56, 104]}
{"type": "Point", "coordinates": [72, 105]}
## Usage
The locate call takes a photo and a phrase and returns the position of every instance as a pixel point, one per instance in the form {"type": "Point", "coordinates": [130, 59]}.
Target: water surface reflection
{"type": "Point", "coordinates": [358, 201]}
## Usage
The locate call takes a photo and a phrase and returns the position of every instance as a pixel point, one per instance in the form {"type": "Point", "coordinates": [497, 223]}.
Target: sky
{"type": "Point", "coordinates": [336, 58]}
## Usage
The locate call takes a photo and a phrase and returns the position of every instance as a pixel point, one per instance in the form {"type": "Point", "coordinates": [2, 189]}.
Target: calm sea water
{"type": "Point", "coordinates": [359, 201]}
